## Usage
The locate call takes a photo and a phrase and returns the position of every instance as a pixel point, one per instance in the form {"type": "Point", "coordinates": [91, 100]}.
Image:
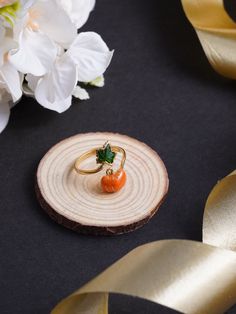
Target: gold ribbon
{"type": "Point", "coordinates": [216, 32]}
{"type": "Point", "coordinates": [188, 276]}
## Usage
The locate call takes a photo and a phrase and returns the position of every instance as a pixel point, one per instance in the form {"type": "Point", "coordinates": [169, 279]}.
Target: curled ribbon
{"type": "Point", "coordinates": [188, 276]}
{"type": "Point", "coordinates": [216, 32]}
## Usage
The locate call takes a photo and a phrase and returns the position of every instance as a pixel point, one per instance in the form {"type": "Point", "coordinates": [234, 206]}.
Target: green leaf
{"type": "Point", "coordinates": [9, 12]}
{"type": "Point", "coordinates": [105, 155]}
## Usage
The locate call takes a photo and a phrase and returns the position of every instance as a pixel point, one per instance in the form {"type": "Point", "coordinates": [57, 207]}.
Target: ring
{"type": "Point", "coordinates": [112, 181]}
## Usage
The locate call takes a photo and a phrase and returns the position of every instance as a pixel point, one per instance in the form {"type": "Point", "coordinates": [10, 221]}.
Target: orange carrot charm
{"type": "Point", "coordinates": [113, 182]}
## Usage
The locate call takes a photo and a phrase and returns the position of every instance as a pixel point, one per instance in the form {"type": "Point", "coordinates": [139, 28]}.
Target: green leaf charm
{"type": "Point", "coordinates": [105, 154]}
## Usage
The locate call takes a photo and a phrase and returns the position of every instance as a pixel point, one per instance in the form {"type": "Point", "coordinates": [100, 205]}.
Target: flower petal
{"type": "Point", "coordinates": [6, 45]}
{"type": "Point", "coordinates": [53, 21]}
{"type": "Point", "coordinates": [12, 80]}
{"type": "Point", "coordinates": [55, 88]}
{"type": "Point", "coordinates": [26, 5]}
{"type": "Point", "coordinates": [78, 10]}
{"type": "Point", "coordinates": [35, 55]}
{"type": "Point", "coordinates": [32, 81]}
{"type": "Point", "coordinates": [80, 93]}
{"type": "Point", "coordinates": [2, 33]}
{"type": "Point", "coordinates": [91, 55]}
{"type": "Point", "coordinates": [4, 112]}
{"type": "Point", "coordinates": [58, 106]}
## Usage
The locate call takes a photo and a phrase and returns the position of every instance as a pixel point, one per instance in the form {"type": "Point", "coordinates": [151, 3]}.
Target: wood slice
{"type": "Point", "coordinates": [77, 201]}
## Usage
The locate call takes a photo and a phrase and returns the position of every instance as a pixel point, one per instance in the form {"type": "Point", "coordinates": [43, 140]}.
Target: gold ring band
{"type": "Point", "coordinates": [93, 152]}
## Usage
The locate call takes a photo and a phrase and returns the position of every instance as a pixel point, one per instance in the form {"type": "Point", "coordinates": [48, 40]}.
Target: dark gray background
{"type": "Point", "coordinates": [159, 89]}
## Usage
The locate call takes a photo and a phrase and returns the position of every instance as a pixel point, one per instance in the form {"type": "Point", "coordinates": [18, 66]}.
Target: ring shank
{"type": "Point", "coordinates": [93, 152]}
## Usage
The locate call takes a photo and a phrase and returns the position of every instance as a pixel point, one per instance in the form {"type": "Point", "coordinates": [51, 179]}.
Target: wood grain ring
{"type": "Point", "coordinates": [77, 202]}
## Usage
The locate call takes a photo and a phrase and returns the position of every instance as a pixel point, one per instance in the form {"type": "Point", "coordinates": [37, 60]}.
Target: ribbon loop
{"type": "Point", "coordinates": [187, 276]}
{"type": "Point", "coordinates": [216, 32]}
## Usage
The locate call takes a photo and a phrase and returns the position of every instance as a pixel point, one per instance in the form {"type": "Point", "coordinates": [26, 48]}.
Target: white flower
{"type": "Point", "coordinates": [91, 55]}
{"type": "Point", "coordinates": [86, 59]}
{"type": "Point", "coordinates": [43, 26]}
{"type": "Point", "coordinates": [54, 90]}
{"type": "Point", "coordinates": [78, 10]}
{"type": "Point", "coordinates": [10, 91]}
{"type": "Point", "coordinates": [36, 53]}
{"type": "Point", "coordinates": [10, 82]}
{"type": "Point", "coordinates": [50, 18]}
{"type": "Point", "coordinates": [9, 76]}
{"type": "Point", "coordinates": [39, 42]}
